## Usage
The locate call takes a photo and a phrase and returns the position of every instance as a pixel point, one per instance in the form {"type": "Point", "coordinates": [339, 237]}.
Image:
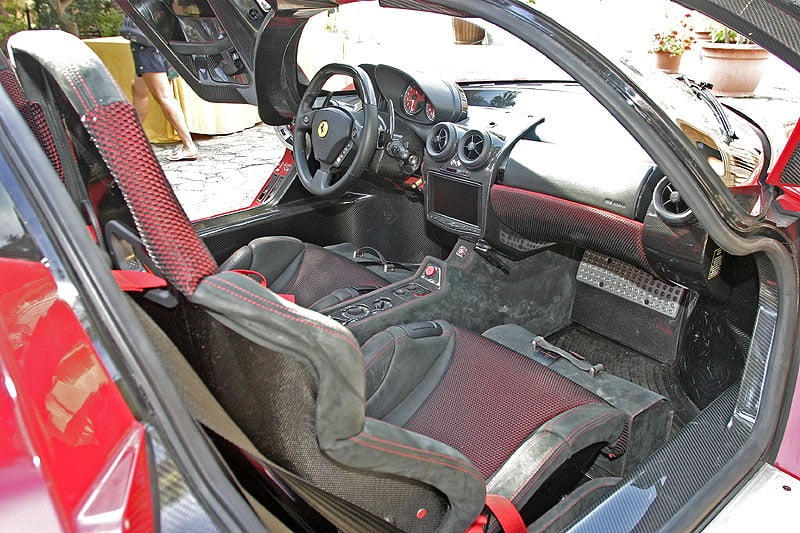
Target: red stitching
{"type": "Point", "coordinates": [382, 350]}
{"type": "Point", "coordinates": [561, 447]}
{"type": "Point", "coordinates": [75, 90]}
{"type": "Point", "coordinates": [419, 450]}
{"type": "Point", "coordinates": [273, 310]}
{"type": "Point", "coordinates": [555, 420]}
{"type": "Point", "coordinates": [78, 75]}
{"type": "Point", "coordinates": [473, 474]}
{"type": "Point", "coordinates": [403, 338]}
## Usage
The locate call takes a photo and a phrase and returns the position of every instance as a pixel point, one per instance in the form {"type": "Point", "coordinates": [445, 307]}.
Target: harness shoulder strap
{"type": "Point", "coordinates": [205, 409]}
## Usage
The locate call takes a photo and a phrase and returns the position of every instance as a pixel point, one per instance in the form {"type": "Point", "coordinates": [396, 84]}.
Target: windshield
{"type": "Point", "coordinates": [363, 32]}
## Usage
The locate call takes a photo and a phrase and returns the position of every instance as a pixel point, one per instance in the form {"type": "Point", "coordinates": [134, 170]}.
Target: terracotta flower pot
{"type": "Point", "coordinates": [734, 69]}
{"type": "Point", "coordinates": [669, 63]}
{"type": "Point", "coordinates": [467, 32]}
{"type": "Point", "coordinates": [702, 36]}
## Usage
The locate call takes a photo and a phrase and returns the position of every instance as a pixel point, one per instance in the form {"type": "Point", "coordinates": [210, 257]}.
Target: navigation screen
{"type": "Point", "coordinates": [459, 200]}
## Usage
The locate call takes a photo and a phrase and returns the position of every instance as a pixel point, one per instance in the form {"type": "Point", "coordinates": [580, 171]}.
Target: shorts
{"type": "Point", "coordinates": [147, 59]}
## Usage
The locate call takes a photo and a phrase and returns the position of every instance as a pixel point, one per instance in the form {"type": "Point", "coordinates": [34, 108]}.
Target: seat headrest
{"type": "Point", "coordinates": [115, 130]}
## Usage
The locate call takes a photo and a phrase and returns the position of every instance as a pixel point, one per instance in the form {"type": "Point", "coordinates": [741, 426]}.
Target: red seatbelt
{"type": "Point", "coordinates": [137, 281]}
{"type": "Point", "coordinates": [259, 278]}
{"type": "Point", "coordinates": [504, 511]}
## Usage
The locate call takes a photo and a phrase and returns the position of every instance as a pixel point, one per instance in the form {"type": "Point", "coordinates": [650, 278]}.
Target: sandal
{"type": "Point", "coordinates": [182, 154]}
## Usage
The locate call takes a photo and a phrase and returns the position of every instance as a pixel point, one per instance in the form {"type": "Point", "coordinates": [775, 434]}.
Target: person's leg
{"type": "Point", "coordinates": [158, 84]}
{"type": "Point", "coordinates": [141, 98]}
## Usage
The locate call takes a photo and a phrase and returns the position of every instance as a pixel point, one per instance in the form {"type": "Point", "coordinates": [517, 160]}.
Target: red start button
{"type": "Point", "coordinates": [430, 271]}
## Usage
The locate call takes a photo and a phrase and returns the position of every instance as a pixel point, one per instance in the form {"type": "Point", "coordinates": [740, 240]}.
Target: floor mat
{"type": "Point", "coordinates": [631, 365]}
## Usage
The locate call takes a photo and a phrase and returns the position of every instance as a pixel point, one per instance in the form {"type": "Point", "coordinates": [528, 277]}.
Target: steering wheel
{"type": "Point", "coordinates": [335, 132]}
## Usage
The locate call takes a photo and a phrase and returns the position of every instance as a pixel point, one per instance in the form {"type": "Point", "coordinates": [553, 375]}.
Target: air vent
{"type": "Point", "coordinates": [441, 141]}
{"type": "Point", "coordinates": [669, 204]}
{"type": "Point", "coordinates": [474, 148]}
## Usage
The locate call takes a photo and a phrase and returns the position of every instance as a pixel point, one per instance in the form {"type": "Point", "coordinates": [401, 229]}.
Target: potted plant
{"type": "Point", "coordinates": [669, 46]}
{"type": "Point", "coordinates": [703, 27]}
{"type": "Point", "coordinates": [734, 64]}
{"type": "Point", "coordinates": [466, 32]}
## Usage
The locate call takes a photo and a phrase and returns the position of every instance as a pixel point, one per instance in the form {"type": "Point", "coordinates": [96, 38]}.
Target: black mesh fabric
{"type": "Point", "coordinates": [322, 272]}
{"type": "Point", "coordinates": [32, 113]}
{"type": "Point", "coordinates": [163, 225]}
{"type": "Point", "coordinates": [271, 397]}
{"type": "Point", "coordinates": [10, 83]}
{"type": "Point", "coordinates": [540, 217]}
{"type": "Point", "coordinates": [491, 399]}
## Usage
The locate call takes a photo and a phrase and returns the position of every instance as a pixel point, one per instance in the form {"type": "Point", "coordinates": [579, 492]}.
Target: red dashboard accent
{"type": "Point", "coordinates": [541, 217]}
{"type": "Point", "coordinates": [413, 100]}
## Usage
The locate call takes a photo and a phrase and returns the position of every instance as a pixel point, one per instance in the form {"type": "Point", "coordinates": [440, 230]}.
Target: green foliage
{"type": "Point", "coordinates": [332, 20]}
{"type": "Point", "coordinates": [12, 19]}
{"type": "Point", "coordinates": [723, 34]}
{"type": "Point", "coordinates": [677, 39]}
{"type": "Point", "coordinates": [87, 18]}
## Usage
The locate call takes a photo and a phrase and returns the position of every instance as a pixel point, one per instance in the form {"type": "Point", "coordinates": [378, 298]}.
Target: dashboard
{"type": "Point", "coordinates": [516, 167]}
{"type": "Point", "coordinates": [419, 99]}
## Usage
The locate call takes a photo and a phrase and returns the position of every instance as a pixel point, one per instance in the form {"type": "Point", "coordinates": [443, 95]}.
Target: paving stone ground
{"type": "Point", "coordinates": [229, 172]}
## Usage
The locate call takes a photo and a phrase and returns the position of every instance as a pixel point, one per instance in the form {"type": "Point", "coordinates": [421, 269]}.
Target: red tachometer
{"type": "Point", "coordinates": [430, 112]}
{"type": "Point", "coordinates": [413, 100]}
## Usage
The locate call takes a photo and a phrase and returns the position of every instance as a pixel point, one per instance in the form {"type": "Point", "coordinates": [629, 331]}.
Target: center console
{"type": "Point", "coordinates": [459, 163]}
{"type": "Point", "coordinates": [428, 278]}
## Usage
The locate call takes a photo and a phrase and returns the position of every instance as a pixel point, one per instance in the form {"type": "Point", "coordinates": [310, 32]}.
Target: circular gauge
{"type": "Point", "coordinates": [413, 99]}
{"type": "Point", "coordinates": [430, 112]}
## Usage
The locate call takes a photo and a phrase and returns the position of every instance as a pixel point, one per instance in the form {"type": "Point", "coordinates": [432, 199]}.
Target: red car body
{"type": "Point", "coordinates": [74, 423]}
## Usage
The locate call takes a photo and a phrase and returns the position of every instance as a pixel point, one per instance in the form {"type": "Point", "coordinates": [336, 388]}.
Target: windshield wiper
{"type": "Point", "coordinates": [703, 91]}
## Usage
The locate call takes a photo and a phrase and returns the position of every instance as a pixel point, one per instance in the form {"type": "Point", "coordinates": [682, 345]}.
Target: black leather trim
{"type": "Point", "coordinates": [277, 258]}
{"type": "Point", "coordinates": [402, 372]}
{"type": "Point", "coordinates": [51, 50]}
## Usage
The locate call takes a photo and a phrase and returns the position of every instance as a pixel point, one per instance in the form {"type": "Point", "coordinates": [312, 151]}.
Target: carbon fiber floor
{"type": "Point", "coordinates": [631, 365]}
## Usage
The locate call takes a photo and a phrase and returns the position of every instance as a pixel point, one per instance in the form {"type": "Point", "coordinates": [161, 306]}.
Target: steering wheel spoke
{"type": "Point", "coordinates": [322, 178]}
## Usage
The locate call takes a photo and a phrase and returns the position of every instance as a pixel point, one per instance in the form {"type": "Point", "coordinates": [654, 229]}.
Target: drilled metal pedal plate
{"type": "Point", "coordinates": [628, 282]}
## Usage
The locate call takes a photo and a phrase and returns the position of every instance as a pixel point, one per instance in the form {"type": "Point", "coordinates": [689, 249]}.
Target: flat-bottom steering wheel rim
{"type": "Point", "coordinates": [364, 143]}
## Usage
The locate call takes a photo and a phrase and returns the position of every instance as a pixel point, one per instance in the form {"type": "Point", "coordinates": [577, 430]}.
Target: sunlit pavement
{"type": "Point", "coordinates": [229, 172]}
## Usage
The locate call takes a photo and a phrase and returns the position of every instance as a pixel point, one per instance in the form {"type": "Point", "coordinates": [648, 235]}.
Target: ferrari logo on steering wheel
{"type": "Point", "coordinates": [322, 129]}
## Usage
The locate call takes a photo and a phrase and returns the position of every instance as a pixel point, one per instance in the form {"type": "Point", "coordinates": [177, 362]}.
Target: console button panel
{"type": "Point", "coordinates": [428, 279]}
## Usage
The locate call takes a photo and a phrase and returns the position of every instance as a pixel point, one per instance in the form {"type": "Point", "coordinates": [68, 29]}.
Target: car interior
{"type": "Point", "coordinates": [444, 302]}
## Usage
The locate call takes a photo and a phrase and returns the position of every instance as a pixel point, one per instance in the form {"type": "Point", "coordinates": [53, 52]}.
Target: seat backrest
{"type": "Point", "coordinates": [57, 127]}
{"type": "Point", "coordinates": [291, 378]}
{"type": "Point", "coordinates": [32, 113]}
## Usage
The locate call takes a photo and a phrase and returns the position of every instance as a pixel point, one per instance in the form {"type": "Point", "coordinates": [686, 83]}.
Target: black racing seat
{"type": "Point", "coordinates": [413, 427]}
{"type": "Point", "coordinates": [315, 276]}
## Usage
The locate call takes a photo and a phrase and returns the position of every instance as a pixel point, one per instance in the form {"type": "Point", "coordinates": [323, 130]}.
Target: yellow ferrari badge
{"type": "Point", "coordinates": [322, 129]}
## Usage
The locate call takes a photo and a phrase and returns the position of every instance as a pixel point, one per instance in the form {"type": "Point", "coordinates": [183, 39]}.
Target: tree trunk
{"type": "Point", "coordinates": [64, 18]}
